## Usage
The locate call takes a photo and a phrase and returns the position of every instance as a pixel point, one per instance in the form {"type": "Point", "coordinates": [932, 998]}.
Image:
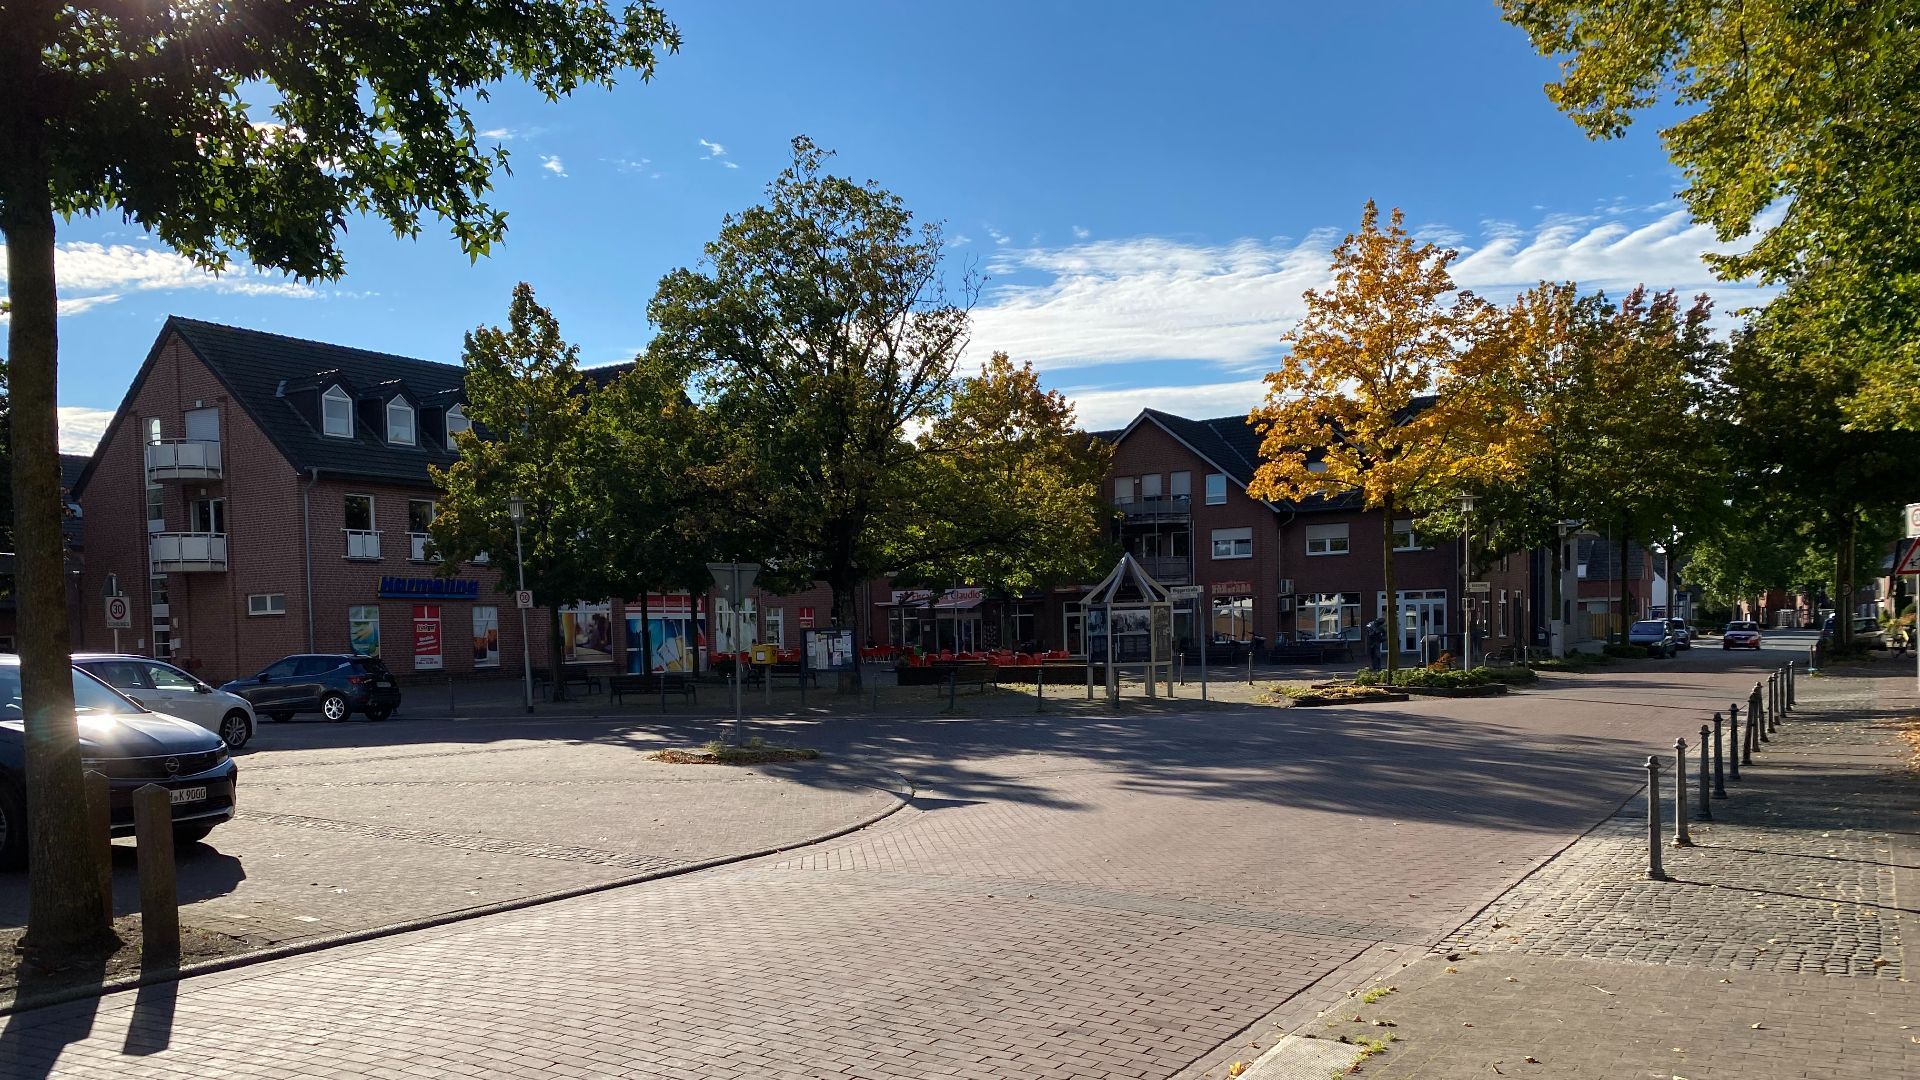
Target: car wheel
{"type": "Point", "coordinates": [380, 713]}
{"type": "Point", "coordinates": [13, 828]}
{"type": "Point", "coordinates": [280, 717]}
{"type": "Point", "coordinates": [191, 834]}
{"type": "Point", "coordinates": [235, 729]}
{"type": "Point", "coordinates": [335, 708]}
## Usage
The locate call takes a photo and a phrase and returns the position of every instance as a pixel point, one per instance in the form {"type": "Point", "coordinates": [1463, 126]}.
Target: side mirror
{"type": "Point", "coordinates": [202, 688]}
{"type": "Point", "coordinates": [264, 677]}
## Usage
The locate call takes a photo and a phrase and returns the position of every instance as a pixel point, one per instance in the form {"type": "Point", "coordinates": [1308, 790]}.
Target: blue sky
{"type": "Point", "coordinates": [1147, 190]}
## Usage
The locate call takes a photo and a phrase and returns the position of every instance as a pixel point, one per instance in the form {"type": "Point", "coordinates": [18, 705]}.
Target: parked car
{"type": "Point", "coordinates": [335, 685]}
{"type": "Point", "coordinates": [1653, 634]}
{"type": "Point", "coordinates": [133, 746]}
{"type": "Point", "coordinates": [1682, 633]}
{"type": "Point", "coordinates": [1741, 634]}
{"type": "Point", "coordinates": [1867, 633]}
{"type": "Point", "coordinates": [164, 688]}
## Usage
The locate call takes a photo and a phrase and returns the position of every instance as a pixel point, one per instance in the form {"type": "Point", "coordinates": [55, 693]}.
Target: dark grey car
{"type": "Point", "coordinates": [335, 685]}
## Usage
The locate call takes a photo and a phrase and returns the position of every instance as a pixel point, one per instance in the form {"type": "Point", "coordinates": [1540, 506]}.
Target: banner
{"type": "Point", "coordinates": [426, 637]}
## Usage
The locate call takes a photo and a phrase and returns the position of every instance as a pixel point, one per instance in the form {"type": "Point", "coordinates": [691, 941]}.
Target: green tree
{"type": "Point", "coordinates": [821, 339]}
{"type": "Point", "coordinates": [1799, 122]}
{"type": "Point", "coordinates": [1351, 408]}
{"type": "Point", "coordinates": [1007, 493]}
{"type": "Point", "coordinates": [141, 110]}
{"type": "Point", "coordinates": [533, 437]}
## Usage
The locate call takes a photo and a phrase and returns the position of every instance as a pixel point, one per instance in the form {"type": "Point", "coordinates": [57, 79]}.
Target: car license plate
{"type": "Point", "coordinates": [189, 794]}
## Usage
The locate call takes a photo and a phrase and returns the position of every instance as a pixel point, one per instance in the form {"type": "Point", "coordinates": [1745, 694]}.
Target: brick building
{"type": "Point", "coordinates": [1273, 571]}
{"type": "Point", "coordinates": [71, 466]}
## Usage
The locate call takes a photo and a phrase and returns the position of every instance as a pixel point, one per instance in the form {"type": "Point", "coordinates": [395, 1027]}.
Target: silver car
{"type": "Point", "coordinates": [160, 686]}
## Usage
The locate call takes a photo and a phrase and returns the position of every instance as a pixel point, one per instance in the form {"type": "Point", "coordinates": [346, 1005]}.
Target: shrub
{"type": "Point", "coordinates": [1429, 676]}
{"type": "Point", "coordinates": [1512, 676]}
{"type": "Point", "coordinates": [1627, 652]}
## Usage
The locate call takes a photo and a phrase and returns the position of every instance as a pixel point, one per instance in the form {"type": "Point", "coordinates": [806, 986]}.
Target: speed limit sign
{"type": "Point", "coordinates": [119, 615]}
{"type": "Point", "coordinates": [523, 598]}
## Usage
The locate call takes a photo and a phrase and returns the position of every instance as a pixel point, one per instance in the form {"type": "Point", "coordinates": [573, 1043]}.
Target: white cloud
{"type": "Point", "coordinates": [81, 429]}
{"type": "Point", "coordinates": [632, 165]}
{"type": "Point", "coordinates": [91, 275]}
{"type": "Point", "coordinates": [553, 165]}
{"type": "Point", "coordinates": [716, 152]}
{"type": "Point", "coordinates": [1080, 233]}
{"type": "Point", "coordinates": [1000, 239]}
{"type": "Point", "coordinates": [1098, 410]}
{"type": "Point", "coordinates": [500, 133]}
{"type": "Point", "coordinates": [1150, 298]}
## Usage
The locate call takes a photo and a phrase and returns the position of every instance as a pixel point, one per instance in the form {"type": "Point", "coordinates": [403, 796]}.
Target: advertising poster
{"type": "Point", "coordinates": [486, 637]}
{"type": "Point", "coordinates": [674, 636]}
{"type": "Point", "coordinates": [426, 637]}
{"type": "Point", "coordinates": [587, 632]}
{"type": "Point", "coordinates": [830, 649]}
{"type": "Point", "coordinates": [363, 629]}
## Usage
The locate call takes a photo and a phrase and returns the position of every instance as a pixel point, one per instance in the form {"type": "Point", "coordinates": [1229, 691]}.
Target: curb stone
{"type": "Point", "coordinates": [902, 790]}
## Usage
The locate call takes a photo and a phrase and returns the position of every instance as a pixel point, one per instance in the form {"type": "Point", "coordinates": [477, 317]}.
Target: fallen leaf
{"type": "Point", "coordinates": [1759, 1027]}
{"type": "Point", "coordinates": [1512, 979]}
{"type": "Point", "coordinates": [1453, 971]}
{"type": "Point", "coordinates": [1236, 1068]}
{"type": "Point", "coordinates": [1610, 993]}
{"type": "Point", "coordinates": [1531, 1060]}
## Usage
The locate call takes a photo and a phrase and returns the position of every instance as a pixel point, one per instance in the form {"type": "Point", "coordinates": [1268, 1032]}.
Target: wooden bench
{"type": "Point", "coordinates": [977, 675]}
{"type": "Point", "coordinates": [588, 681]}
{"type": "Point", "coordinates": [659, 682]}
{"type": "Point", "coordinates": [759, 673]}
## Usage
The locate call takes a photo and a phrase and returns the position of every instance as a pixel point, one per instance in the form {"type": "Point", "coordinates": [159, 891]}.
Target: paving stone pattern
{"type": "Point", "coordinates": [1094, 897]}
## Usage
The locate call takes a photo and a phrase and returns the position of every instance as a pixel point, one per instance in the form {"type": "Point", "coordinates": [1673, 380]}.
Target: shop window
{"type": "Point", "coordinates": [1327, 539]}
{"type": "Point", "coordinates": [486, 636]}
{"type": "Point", "coordinates": [1233, 618]}
{"type": "Point", "coordinates": [1216, 489]}
{"type": "Point", "coordinates": [336, 413]}
{"type": "Point", "coordinates": [363, 629]}
{"type": "Point", "coordinates": [1233, 543]}
{"type": "Point", "coordinates": [1327, 615]}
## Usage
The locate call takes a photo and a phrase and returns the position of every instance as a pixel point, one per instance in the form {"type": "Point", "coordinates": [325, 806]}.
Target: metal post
{"type": "Point", "coordinates": [159, 894]}
{"type": "Point", "coordinates": [1792, 681]}
{"type": "Point", "coordinates": [1706, 778]}
{"type": "Point", "coordinates": [1779, 698]}
{"type": "Point", "coordinates": [953, 678]}
{"type": "Point", "coordinates": [1204, 640]}
{"type": "Point", "coordinates": [739, 717]}
{"type": "Point", "coordinates": [526, 643]}
{"type": "Point", "coordinates": [1654, 871]}
{"type": "Point", "coordinates": [1680, 837]}
{"type": "Point", "coordinates": [99, 795]}
{"type": "Point", "coordinates": [1755, 718]}
{"type": "Point", "coordinates": [1249, 666]}
{"type": "Point", "coordinates": [1040, 688]}
{"type": "Point", "coordinates": [1719, 763]}
{"type": "Point", "coordinates": [1733, 742]}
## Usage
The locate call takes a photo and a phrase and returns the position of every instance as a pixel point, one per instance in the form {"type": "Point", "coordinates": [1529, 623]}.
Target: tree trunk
{"type": "Point", "coordinates": [1558, 648]}
{"type": "Point", "coordinates": [1843, 583]}
{"type": "Point", "coordinates": [556, 653]}
{"type": "Point", "coordinates": [846, 614]}
{"type": "Point", "coordinates": [646, 636]}
{"type": "Point", "coordinates": [1393, 595]}
{"type": "Point", "coordinates": [1620, 568]}
{"type": "Point", "coordinates": [65, 909]}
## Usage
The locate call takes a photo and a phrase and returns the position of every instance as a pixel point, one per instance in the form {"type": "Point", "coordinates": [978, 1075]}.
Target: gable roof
{"type": "Point", "coordinates": [1231, 444]}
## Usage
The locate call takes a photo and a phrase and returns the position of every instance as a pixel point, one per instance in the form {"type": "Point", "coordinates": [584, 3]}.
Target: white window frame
{"type": "Point", "coordinates": [1216, 480]}
{"type": "Point", "coordinates": [1123, 488]}
{"type": "Point", "coordinates": [1317, 609]}
{"type": "Point", "coordinates": [1413, 537]}
{"type": "Point", "coordinates": [1332, 539]}
{"type": "Point", "coordinates": [1180, 485]}
{"type": "Point", "coordinates": [1239, 544]}
{"type": "Point", "coordinates": [1150, 486]}
{"type": "Point", "coordinates": [369, 538]}
{"type": "Point", "coordinates": [457, 422]}
{"type": "Point", "coordinates": [335, 396]}
{"type": "Point", "coordinates": [266, 604]}
{"type": "Point", "coordinates": [413, 423]}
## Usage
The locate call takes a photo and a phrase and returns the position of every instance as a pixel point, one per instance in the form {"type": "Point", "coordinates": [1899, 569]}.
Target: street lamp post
{"type": "Point", "coordinates": [517, 507]}
{"type": "Point", "coordinates": [1466, 582]}
{"type": "Point", "coordinates": [1563, 561]}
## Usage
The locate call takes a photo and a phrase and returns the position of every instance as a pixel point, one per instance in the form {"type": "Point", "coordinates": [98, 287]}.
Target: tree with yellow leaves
{"type": "Point", "coordinates": [1351, 409]}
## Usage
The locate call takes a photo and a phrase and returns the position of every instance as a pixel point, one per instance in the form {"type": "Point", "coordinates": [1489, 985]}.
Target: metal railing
{"type": "Point", "coordinates": [363, 543]}
{"type": "Point", "coordinates": [184, 459]}
{"type": "Point", "coordinates": [187, 552]}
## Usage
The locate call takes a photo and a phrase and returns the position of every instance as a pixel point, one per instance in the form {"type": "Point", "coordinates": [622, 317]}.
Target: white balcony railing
{"type": "Point", "coordinates": [363, 543]}
{"type": "Point", "coordinates": [482, 559]}
{"type": "Point", "coordinates": [417, 546]}
{"type": "Point", "coordinates": [187, 552]}
{"type": "Point", "coordinates": [183, 459]}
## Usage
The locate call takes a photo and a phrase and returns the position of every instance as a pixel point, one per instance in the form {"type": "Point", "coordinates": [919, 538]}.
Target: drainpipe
{"type": "Point", "coordinates": [306, 539]}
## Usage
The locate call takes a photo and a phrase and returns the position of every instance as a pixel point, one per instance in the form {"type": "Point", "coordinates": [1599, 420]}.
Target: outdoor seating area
{"type": "Point", "coordinates": [995, 657]}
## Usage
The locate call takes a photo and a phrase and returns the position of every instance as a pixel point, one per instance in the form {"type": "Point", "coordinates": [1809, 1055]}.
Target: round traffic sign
{"type": "Point", "coordinates": [117, 608]}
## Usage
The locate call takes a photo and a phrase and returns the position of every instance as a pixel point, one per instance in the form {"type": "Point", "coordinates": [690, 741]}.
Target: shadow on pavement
{"type": "Point", "coordinates": [32, 1041]}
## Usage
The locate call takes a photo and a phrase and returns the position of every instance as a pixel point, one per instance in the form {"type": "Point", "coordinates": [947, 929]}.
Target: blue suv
{"type": "Point", "coordinates": [335, 685]}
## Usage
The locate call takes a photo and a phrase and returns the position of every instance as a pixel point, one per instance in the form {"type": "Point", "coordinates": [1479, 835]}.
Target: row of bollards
{"type": "Point", "coordinates": [1728, 748]}
{"type": "Point", "coordinates": [153, 839]}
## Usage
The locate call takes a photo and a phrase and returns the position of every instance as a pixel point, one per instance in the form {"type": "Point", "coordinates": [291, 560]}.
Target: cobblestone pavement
{"type": "Point", "coordinates": [1775, 950]}
{"type": "Point", "coordinates": [336, 838]}
{"type": "Point", "coordinates": [1080, 896]}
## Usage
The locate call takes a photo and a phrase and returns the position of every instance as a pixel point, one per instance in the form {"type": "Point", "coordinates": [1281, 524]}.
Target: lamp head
{"type": "Point", "coordinates": [517, 509]}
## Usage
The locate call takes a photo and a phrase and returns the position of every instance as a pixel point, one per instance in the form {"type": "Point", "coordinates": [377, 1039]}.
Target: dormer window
{"type": "Point", "coordinates": [336, 413]}
{"type": "Point", "coordinates": [399, 422]}
{"type": "Point", "coordinates": [457, 422]}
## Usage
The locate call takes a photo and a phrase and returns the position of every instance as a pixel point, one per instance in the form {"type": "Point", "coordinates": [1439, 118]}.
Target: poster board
{"type": "Point", "coordinates": [829, 649]}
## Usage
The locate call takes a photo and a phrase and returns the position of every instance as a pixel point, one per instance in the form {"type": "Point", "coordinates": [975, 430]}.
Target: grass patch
{"type": "Point", "coordinates": [757, 751]}
{"type": "Point", "coordinates": [1573, 661]}
{"type": "Point", "coordinates": [1441, 678]}
{"type": "Point", "coordinates": [1377, 993]}
{"type": "Point", "coordinates": [1325, 694]}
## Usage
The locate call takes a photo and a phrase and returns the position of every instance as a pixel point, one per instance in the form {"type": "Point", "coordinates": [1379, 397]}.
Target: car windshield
{"type": "Point", "coordinates": [1741, 626]}
{"type": "Point", "coordinates": [1649, 628]}
{"type": "Point", "coordinates": [91, 697]}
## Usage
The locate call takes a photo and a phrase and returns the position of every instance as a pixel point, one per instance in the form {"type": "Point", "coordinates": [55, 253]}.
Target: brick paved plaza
{"type": "Point", "coordinates": [1065, 896]}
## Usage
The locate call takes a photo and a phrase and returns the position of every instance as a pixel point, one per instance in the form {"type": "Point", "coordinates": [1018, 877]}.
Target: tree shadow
{"type": "Point", "coordinates": [32, 1042]}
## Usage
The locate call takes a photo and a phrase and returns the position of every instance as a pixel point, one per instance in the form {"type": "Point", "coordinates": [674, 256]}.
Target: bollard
{"type": "Point", "coordinates": [99, 795]}
{"type": "Point", "coordinates": [1680, 837]}
{"type": "Point", "coordinates": [1249, 667]}
{"type": "Point", "coordinates": [1706, 778]}
{"type": "Point", "coordinates": [1733, 743]}
{"type": "Point", "coordinates": [1040, 688]}
{"type": "Point", "coordinates": [1792, 686]}
{"type": "Point", "coordinates": [1813, 658]}
{"type": "Point", "coordinates": [1719, 765]}
{"type": "Point", "coordinates": [1763, 693]}
{"type": "Point", "coordinates": [1779, 698]}
{"type": "Point", "coordinates": [1180, 663]}
{"type": "Point", "coordinates": [159, 898]}
{"type": "Point", "coordinates": [1654, 872]}
{"type": "Point", "coordinates": [952, 681]}
{"type": "Point", "coordinates": [1756, 718]}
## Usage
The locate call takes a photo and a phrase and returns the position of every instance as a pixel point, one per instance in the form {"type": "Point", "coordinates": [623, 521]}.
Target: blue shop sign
{"type": "Point", "coordinates": [427, 588]}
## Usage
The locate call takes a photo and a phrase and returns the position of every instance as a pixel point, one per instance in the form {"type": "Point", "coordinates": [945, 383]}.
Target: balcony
{"type": "Point", "coordinates": [1159, 509]}
{"type": "Point", "coordinates": [183, 459]}
{"type": "Point", "coordinates": [187, 552]}
{"type": "Point", "coordinates": [1167, 569]}
{"type": "Point", "coordinates": [363, 543]}
{"type": "Point", "coordinates": [417, 544]}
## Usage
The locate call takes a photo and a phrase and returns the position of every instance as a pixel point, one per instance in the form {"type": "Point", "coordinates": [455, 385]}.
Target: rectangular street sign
{"type": "Point", "coordinates": [1487, 586]}
{"type": "Point", "coordinates": [1184, 592]}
